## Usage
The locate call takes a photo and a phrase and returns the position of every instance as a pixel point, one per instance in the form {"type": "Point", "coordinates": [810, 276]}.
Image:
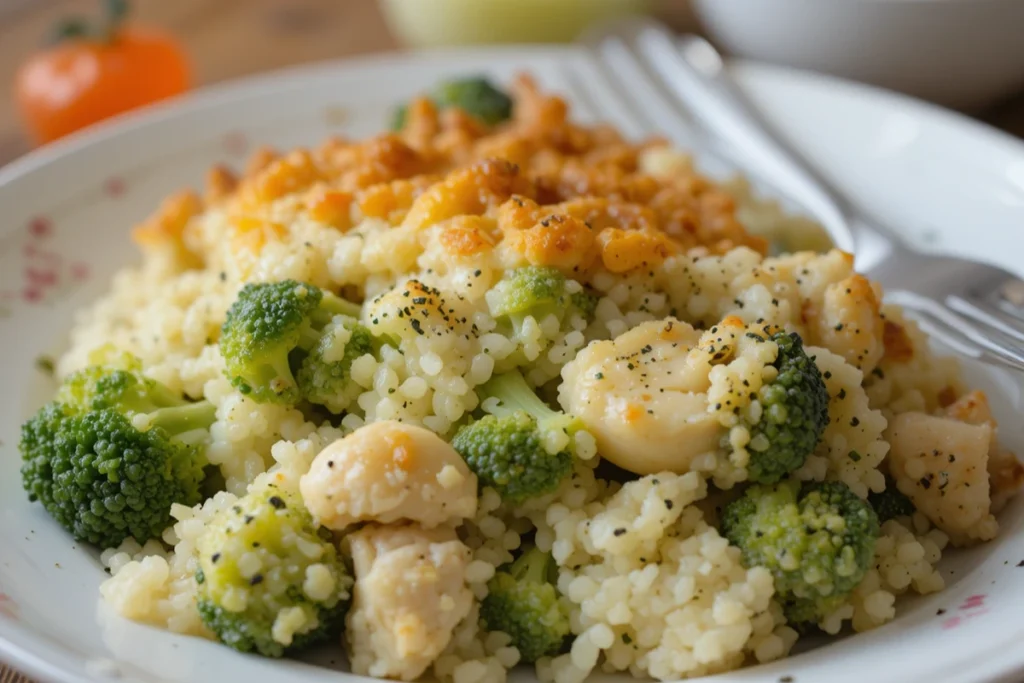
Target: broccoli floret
{"type": "Point", "coordinates": [585, 303]}
{"type": "Point", "coordinates": [119, 385]}
{"type": "Point", "coordinates": [269, 580]}
{"type": "Point", "coordinates": [523, 448]}
{"type": "Point", "coordinates": [530, 290]}
{"type": "Point", "coordinates": [476, 96]}
{"type": "Point", "coordinates": [269, 328]}
{"type": "Point", "coordinates": [103, 478]}
{"type": "Point", "coordinates": [523, 602]}
{"type": "Point", "coordinates": [526, 301]}
{"type": "Point", "coordinates": [115, 381]}
{"type": "Point", "coordinates": [890, 503]}
{"type": "Point", "coordinates": [324, 377]}
{"type": "Point", "coordinates": [537, 292]}
{"type": "Point", "coordinates": [794, 414]}
{"type": "Point", "coordinates": [817, 542]}
{"type": "Point", "coordinates": [114, 451]}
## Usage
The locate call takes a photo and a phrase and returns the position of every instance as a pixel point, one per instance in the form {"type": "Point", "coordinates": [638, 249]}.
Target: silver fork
{"type": "Point", "coordinates": [647, 80]}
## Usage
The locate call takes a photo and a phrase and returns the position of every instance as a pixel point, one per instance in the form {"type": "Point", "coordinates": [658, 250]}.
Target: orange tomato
{"type": "Point", "coordinates": [89, 78]}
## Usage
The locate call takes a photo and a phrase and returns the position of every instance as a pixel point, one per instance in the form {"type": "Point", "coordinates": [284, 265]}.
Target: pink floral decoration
{"type": "Point", "coordinates": [973, 602]}
{"type": "Point", "coordinates": [40, 227]}
{"type": "Point", "coordinates": [971, 608]}
{"type": "Point", "coordinates": [45, 275]}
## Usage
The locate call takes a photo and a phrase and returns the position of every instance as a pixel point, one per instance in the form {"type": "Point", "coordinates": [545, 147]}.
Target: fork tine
{"type": "Point", "coordinates": [988, 314]}
{"type": "Point", "coordinates": [634, 83]}
{"type": "Point", "coordinates": [992, 342]}
{"type": "Point", "coordinates": [588, 84]}
{"type": "Point", "coordinates": [943, 333]}
{"type": "Point", "coordinates": [956, 332]}
{"type": "Point", "coordinates": [633, 62]}
{"type": "Point", "coordinates": [953, 338]}
{"type": "Point", "coordinates": [582, 101]}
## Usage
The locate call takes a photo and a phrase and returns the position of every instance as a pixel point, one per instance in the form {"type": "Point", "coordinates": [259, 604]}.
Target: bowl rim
{"type": "Point", "coordinates": [33, 653]}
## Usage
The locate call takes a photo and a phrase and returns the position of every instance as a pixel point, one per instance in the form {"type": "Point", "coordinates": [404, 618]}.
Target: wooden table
{"type": "Point", "coordinates": [226, 38]}
{"type": "Point", "coordinates": [232, 38]}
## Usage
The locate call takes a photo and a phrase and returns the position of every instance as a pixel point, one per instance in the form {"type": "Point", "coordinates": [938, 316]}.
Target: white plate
{"type": "Point", "coordinates": [950, 183]}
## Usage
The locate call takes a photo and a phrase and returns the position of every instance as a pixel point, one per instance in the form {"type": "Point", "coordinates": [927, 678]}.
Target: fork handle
{"type": "Point", "coordinates": [698, 73]}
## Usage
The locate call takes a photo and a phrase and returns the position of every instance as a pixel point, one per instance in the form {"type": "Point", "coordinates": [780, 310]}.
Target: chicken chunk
{"type": "Point", "coordinates": [848, 322]}
{"type": "Point", "coordinates": [389, 471]}
{"type": "Point", "coordinates": [644, 397]}
{"type": "Point", "coordinates": [410, 594]}
{"type": "Point", "coordinates": [941, 464]}
{"type": "Point", "coordinates": [1006, 474]}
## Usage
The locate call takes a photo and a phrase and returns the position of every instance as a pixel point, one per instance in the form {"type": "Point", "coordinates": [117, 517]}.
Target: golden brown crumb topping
{"type": "Point", "coordinates": [542, 188]}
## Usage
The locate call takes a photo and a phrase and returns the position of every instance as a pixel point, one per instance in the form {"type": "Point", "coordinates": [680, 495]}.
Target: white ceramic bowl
{"type": "Point", "coordinates": [951, 183]}
{"type": "Point", "coordinates": [964, 54]}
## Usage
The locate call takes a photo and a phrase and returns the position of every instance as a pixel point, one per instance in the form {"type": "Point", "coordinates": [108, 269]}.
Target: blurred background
{"type": "Point", "coordinates": [962, 53]}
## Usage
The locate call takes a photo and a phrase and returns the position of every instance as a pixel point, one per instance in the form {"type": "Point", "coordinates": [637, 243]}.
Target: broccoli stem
{"type": "Point", "coordinates": [513, 394]}
{"type": "Point", "coordinates": [147, 398]}
{"type": "Point", "coordinates": [308, 337]}
{"type": "Point", "coordinates": [162, 397]}
{"type": "Point", "coordinates": [275, 373]}
{"type": "Point", "coordinates": [330, 306]}
{"type": "Point", "coordinates": [184, 418]}
{"type": "Point", "coordinates": [533, 566]}
{"type": "Point", "coordinates": [335, 305]}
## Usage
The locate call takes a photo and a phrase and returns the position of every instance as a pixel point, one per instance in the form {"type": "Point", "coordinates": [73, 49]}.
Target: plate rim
{"type": "Point", "coordinates": [32, 654]}
{"type": "Point", "coordinates": [233, 88]}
